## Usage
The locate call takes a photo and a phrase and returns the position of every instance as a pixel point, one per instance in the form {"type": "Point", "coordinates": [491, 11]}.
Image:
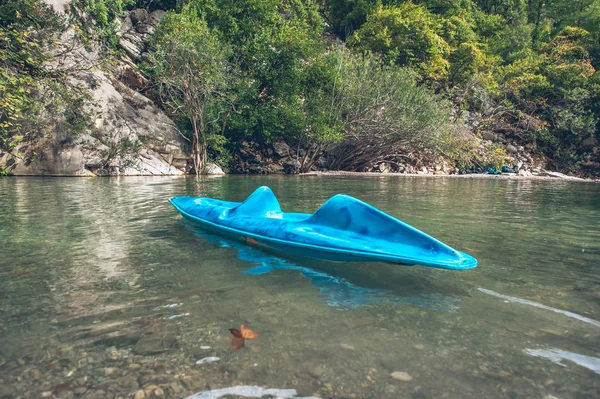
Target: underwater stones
{"type": "Point", "coordinates": [153, 343]}
{"type": "Point", "coordinates": [401, 376]}
{"type": "Point", "coordinates": [6, 391]}
{"type": "Point", "coordinates": [128, 382]}
{"type": "Point", "coordinates": [209, 359]}
{"type": "Point", "coordinates": [315, 370]}
{"type": "Point", "coordinates": [108, 371]}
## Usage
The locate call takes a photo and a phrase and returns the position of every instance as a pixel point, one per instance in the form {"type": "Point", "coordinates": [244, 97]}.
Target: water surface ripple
{"type": "Point", "coordinates": [106, 292]}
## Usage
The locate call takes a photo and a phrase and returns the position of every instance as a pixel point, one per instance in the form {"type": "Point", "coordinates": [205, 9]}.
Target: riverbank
{"type": "Point", "coordinates": [542, 176]}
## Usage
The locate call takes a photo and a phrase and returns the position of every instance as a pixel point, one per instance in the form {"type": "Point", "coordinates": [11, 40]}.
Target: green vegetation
{"type": "Point", "coordinates": [265, 70]}
{"type": "Point", "coordinates": [194, 77]}
{"type": "Point", "coordinates": [35, 95]}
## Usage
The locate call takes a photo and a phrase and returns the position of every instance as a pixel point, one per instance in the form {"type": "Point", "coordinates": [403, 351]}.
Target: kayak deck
{"type": "Point", "coordinates": [344, 228]}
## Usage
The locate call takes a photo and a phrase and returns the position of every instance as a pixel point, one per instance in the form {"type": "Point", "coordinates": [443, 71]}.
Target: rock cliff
{"type": "Point", "coordinates": [130, 134]}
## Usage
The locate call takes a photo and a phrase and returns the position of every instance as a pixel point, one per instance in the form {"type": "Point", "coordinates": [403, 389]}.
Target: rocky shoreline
{"type": "Point", "coordinates": [541, 176]}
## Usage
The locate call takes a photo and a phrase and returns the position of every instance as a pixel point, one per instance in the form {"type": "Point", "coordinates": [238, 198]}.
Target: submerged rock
{"type": "Point", "coordinates": [401, 376]}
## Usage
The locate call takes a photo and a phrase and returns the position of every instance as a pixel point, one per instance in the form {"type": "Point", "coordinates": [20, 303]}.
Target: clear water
{"type": "Point", "coordinates": [105, 291]}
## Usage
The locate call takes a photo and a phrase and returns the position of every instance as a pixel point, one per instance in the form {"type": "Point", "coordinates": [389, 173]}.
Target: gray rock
{"type": "Point", "coordinates": [401, 376]}
{"type": "Point", "coordinates": [128, 382]}
{"type": "Point", "coordinates": [384, 167]}
{"type": "Point", "coordinates": [55, 162]}
{"type": "Point", "coordinates": [117, 112]}
{"type": "Point", "coordinates": [213, 169]}
{"type": "Point", "coordinates": [511, 149]}
{"type": "Point", "coordinates": [281, 148]}
{"type": "Point", "coordinates": [315, 370]}
{"type": "Point", "coordinates": [131, 49]}
{"type": "Point", "coordinates": [487, 135]}
{"type": "Point", "coordinates": [153, 343]}
{"type": "Point", "coordinates": [157, 16]}
{"type": "Point", "coordinates": [274, 168]}
{"type": "Point", "coordinates": [67, 394]}
{"type": "Point", "coordinates": [138, 15]}
{"type": "Point", "coordinates": [142, 27]}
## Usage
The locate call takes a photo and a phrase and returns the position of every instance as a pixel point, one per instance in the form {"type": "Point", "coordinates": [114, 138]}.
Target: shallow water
{"type": "Point", "coordinates": [105, 291]}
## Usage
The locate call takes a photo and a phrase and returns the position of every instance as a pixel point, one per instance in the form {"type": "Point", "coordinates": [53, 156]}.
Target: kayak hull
{"type": "Point", "coordinates": [344, 229]}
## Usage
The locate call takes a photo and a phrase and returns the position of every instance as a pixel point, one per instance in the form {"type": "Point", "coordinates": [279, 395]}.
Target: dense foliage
{"type": "Point", "coordinates": [262, 70]}
{"type": "Point", "coordinates": [528, 67]}
{"type": "Point", "coordinates": [36, 97]}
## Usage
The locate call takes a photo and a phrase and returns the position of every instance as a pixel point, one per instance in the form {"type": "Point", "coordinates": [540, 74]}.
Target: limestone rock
{"type": "Point", "coordinates": [213, 169]}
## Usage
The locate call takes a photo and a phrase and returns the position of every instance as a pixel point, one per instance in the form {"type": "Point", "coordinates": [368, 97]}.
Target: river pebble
{"type": "Point", "coordinates": [401, 376]}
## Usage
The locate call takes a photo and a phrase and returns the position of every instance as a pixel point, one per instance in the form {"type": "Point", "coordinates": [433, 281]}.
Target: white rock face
{"type": "Point", "coordinates": [119, 113]}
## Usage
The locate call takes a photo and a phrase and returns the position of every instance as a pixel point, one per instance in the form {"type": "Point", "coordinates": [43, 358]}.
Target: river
{"type": "Point", "coordinates": [107, 292]}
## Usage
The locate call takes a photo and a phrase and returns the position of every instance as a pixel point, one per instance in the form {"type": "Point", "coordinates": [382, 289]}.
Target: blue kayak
{"type": "Point", "coordinates": [343, 229]}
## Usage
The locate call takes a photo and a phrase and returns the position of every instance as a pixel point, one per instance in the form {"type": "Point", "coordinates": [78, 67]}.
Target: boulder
{"type": "Point", "coordinates": [281, 148]}
{"type": "Point", "coordinates": [213, 170]}
{"type": "Point", "coordinates": [384, 167]}
{"type": "Point", "coordinates": [138, 15]}
{"type": "Point", "coordinates": [487, 135]}
{"type": "Point", "coordinates": [157, 16]}
{"type": "Point", "coordinates": [144, 28]}
{"type": "Point", "coordinates": [511, 149]}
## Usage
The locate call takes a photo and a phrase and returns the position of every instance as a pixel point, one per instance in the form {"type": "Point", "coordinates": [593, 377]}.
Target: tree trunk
{"type": "Point", "coordinates": [196, 147]}
{"type": "Point", "coordinates": [202, 146]}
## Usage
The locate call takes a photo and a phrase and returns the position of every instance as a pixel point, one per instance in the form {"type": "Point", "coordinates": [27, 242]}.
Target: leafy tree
{"type": "Point", "coordinates": [274, 44]}
{"type": "Point", "coordinates": [405, 35]}
{"type": "Point", "coordinates": [189, 62]}
{"type": "Point", "coordinates": [346, 16]}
